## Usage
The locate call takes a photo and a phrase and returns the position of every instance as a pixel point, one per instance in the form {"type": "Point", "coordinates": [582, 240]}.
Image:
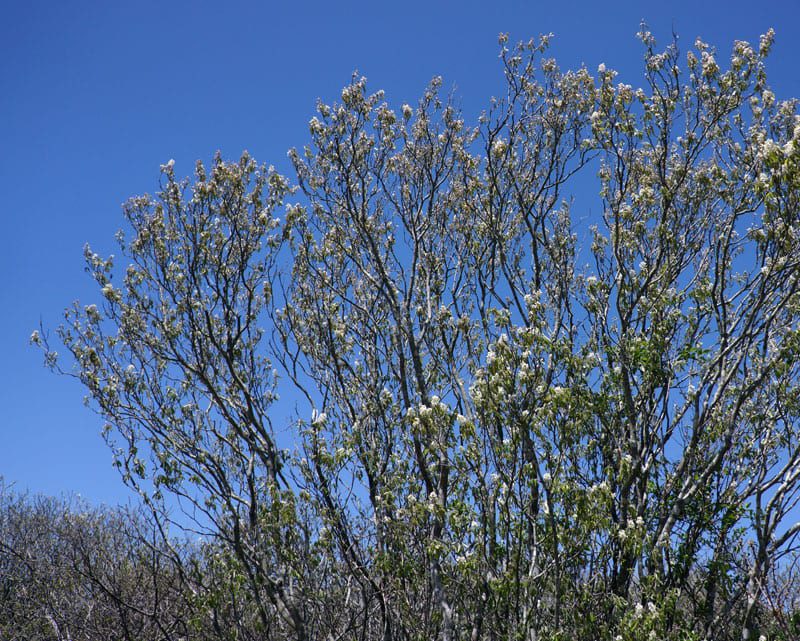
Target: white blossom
{"type": "Point", "coordinates": [499, 147]}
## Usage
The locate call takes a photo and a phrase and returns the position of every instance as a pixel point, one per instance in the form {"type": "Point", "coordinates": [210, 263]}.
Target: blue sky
{"type": "Point", "coordinates": [94, 96]}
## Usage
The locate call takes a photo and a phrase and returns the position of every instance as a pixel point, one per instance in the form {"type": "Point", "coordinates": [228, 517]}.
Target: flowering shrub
{"type": "Point", "coordinates": [506, 425]}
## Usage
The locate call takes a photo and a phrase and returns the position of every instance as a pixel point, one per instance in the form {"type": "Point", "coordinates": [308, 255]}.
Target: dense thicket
{"type": "Point", "coordinates": [68, 571]}
{"type": "Point", "coordinates": [73, 572]}
{"type": "Point", "coordinates": [501, 416]}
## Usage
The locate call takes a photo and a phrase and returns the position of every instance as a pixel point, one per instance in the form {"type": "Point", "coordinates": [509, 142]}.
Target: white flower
{"type": "Point", "coordinates": [350, 94]}
{"type": "Point", "coordinates": [601, 68]}
{"type": "Point", "coordinates": [315, 125]}
{"type": "Point", "coordinates": [109, 292]}
{"type": "Point", "coordinates": [35, 338]}
{"type": "Point", "coordinates": [407, 111]}
{"type": "Point", "coordinates": [710, 66]}
{"type": "Point", "coordinates": [499, 147]}
{"type": "Point", "coordinates": [318, 419]}
{"type": "Point", "coordinates": [768, 146]}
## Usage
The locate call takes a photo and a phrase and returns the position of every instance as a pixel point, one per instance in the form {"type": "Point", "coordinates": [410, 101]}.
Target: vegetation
{"type": "Point", "coordinates": [496, 421]}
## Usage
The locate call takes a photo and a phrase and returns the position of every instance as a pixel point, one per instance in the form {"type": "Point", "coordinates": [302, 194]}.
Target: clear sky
{"type": "Point", "coordinates": [94, 96]}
